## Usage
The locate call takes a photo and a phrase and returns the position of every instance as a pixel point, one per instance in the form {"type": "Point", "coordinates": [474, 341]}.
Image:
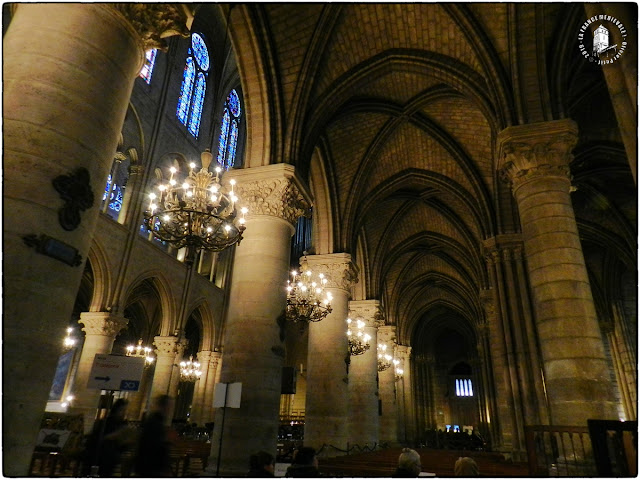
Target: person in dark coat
{"type": "Point", "coordinates": [409, 464]}
{"type": "Point", "coordinates": [152, 454]}
{"type": "Point", "coordinates": [261, 464]}
{"type": "Point", "coordinates": [108, 440]}
{"type": "Point", "coordinates": [305, 464]}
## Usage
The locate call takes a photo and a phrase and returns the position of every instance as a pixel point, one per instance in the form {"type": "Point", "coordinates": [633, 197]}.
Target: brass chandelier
{"type": "Point", "coordinates": [306, 299]}
{"type": "Point", "coordinates": [358, 340]}
{"type": "Point", "coordinates": [198, 213]}
{"type": "Point", "coordinates": [141, 351]}
{"type": "Point", "coordinates": [190, 370]}
{"type": "Point", "coordinates": [384, 359]}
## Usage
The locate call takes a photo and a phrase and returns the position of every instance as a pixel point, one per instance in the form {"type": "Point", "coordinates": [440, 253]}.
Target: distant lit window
{"type": "Point", "coordinates": [464, 387]}
{"type": "Point", "coordinates": [149, 62]}
{"type": "Point", "coordinates": [229, 126]}
{"type": "Point", "coordinates": [194, 85]}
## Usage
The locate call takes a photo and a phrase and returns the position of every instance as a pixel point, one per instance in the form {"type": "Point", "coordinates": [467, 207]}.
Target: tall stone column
{"type": "Point", "coordinates": [63, 113]}
{"type": "Point", "coordinates": [326, 417]}
{"type": "Point", "coordinates": [253, 349]}
{"type": "Point", "coordinates": [535, 159]}
{"type": "Point", "coordinates": [387, 389]}
{"type": "Point", "coordinates": [101, 329]}
{"type": "Point", "coordinates": [363, 382]}
{"type": "Point", "coordinates": [407, 412]}
{"type": "Point", "coordinates": [167, 350]}
{"type": "Point", "coordinates": [200, 387]}
{"type": "Point", "coordinates": [213, 377]}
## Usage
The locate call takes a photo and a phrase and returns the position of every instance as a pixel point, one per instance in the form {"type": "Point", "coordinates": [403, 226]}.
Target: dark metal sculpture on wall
{"type": "Point", "coordinates": [75, 190]}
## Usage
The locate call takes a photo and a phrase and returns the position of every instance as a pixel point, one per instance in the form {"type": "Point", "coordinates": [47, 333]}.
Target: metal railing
{"type": "Point", "coordinates": [559, 451]}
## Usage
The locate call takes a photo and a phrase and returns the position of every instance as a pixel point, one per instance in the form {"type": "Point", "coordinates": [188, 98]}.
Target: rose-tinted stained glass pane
{"type": "Point", "coordinates": [224, 132]}
{"type": "Point", "coordinates": [149, 63]}
{"type": "Point", "coordinates": [198, 102]}
{"type": "Point", "coordinates": [200, 51]}
{"type": "Point", "coordinates": [186, 90]}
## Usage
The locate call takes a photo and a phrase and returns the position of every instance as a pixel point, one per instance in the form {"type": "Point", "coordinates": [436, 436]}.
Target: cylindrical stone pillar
{"type": "Point", "coordinates": [535, 158]}
{"type": "Point", "coordinates": [253, 351]}
{"type": "Point", "coordinates": [101, 329]}
{"type": "Point", "coordinates": [364, 422]}
{"type": "Point", "coordinates": [388, 433]}
{"type": "Point", "coordinates": [212, 379]}
{"type": "Point", "coordinates": [326, 417]}
{"type": "Point", "coordinates": [63, 112]}
{"type": "Point", "coordinates": [200, 387]}
{"type": "Point", "coordinates": [167, 348]}
{"type": "Point", "coordinates": [408, 430]}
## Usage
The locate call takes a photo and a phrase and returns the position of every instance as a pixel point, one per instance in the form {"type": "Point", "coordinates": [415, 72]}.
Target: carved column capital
{"type": "Point", "coordinates": [153, 22]}
{"type": "Point", "coordinates": [272, 190]}
{"type": "Point", "coordinates": [340, 271]}
{"type": "Point", "coordinates": [166, 345]}
{"type": "Point", "coordinates": [102, 323]}
{"type": "Point", "coordinates": [488, 302]}
{"type": "Point", "coordinates": [368, 311]}
{"type": "Point", "coordinates": [387, 334]}
{"type": "Point", "coordinates": [536, 150]}
{"type": "Point", "coordinates": [403, 351]}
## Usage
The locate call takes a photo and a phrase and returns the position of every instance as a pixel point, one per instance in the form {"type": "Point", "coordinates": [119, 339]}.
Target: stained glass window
{"type": "Point", "coordinates": [229, 128]}
{"type": "Point", "coordinates": [150, 61]}
{"type": "Point", "coordinates": [464, 387]}
{"type": "Point", "coordinates": [194, 85]}
{"type": "Point", "coordinates": [113, 194]}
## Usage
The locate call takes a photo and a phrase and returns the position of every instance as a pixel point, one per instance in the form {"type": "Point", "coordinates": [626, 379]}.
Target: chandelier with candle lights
{"type": "Point", "coordinates": [198, 213]}
{"type": "Point", "coordinates": [399, 371]}
{"type": "Point", "coordinates": [306, 299]}
{"type": "Point", "coordinates": [141, 351]}
{"type": "Point", "coordinates": [384, 359]}
{"type": "Point", "coordinates": [358, 340]}
{"type": "Point", "coordinates": [69, 341]}
{"type": "Point", "coordinates": [190, 370]}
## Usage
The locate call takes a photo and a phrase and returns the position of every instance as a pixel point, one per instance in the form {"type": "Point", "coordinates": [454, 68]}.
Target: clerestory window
{"type": "Point", "coordinates": [194, 85]}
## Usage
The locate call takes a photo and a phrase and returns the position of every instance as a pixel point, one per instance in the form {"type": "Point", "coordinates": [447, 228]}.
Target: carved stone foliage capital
{"type": "Point", "coordinates": [166, 345]}
{"type": "Point", "coordinates": [155, 21]}
{"type": "Point", "coordinates": [339, 274]}
{"type": "Point", "coordinates": [536, 150]}
{"type": "Point", "coordinates": [277, 197]}
{"type": "Point", "coordinates": [403, 352]}
{"type": "Point", "coordinates": [101, 323]}
{"type": "Point", "coordinates": [488, 302]}
{"type": "Point", "coordinates": [387, 334]}
{"type": "Point", "coordinates": [368, 311]}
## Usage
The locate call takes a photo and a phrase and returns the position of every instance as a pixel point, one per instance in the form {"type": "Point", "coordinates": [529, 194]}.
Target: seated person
{"type": "Point", "coordinates": [466, 467]}
{"type": "Point", "coordinates": [409, 464]}
{"type": "Point", "coordinates": [305, 464]}
{"type": "Point", "coordinates": [261, 464]}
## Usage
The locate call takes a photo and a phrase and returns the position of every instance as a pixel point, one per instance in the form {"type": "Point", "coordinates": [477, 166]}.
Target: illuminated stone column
{"type": "Point", "coordinates": [167, 349]}
{"type": "Point", "coordinates": [253, 349]}
{"type": "Point", "coordinates": [406, 425]}
{"type": "Point", "coordinates": [200, 387]}
{"type": "Point", "coordinates": [364, 422]}
{"type": "Point", "coordinates": [535, 159]}
{"type": "Point", "coordinates": [68, 74]}
{"type": "Point", "coordinates": [101, 329]}
{"type": "Point", "coordinates": [326, 417]}
{"type": "Point", "coordinates": [387, 390]}
{"type": "Point", "coordinates": [212, 379]}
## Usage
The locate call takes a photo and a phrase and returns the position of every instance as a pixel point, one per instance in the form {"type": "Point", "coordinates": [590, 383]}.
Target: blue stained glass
{"type": "Point", "coordinates": [116, 196]}
{"type": "Point", "coordinates": [234, 103]}
{"type": "Point", "coordinates": [150, 61]}
{"type": "Point", "coordinates": [186, 90]}
{"type": "Point", "coordinates": [200, 51]}
{"type": "Point", "coordinates": [224, 132]}
{"type": "Point", "coordinates": [198, 102]}
{"type": "Point", "coordinates": [107, 188]}
{"type": "Point", "coordinates": [233, 140]}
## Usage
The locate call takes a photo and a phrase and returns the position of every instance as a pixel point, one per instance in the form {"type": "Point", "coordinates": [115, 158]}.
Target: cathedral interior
{"type": "Point", "coordinates": [463, 174]}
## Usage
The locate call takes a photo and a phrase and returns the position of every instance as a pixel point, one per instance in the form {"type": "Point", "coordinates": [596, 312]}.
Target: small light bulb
{"type": "Point", "coordinates": [185, 185]}
{"type": "Point", "coordinates": [214, 188]}
{"type": "Point", "coordinates": [234, 198]}
{"type": "Point", "coordinates": [152, 196]}
{"type": "Point", "coordinates": [214, 198]}
{"type": "Point", "coordinates": [152, 207]}
{"type": "Point", "coordinates": [162, 188]}
{"type": "Point", "coordinates": [242, 221]}
{"type": "Point", "coordinates": [166, 218]}
{"type": "Point", "coordinates": [227, 227]}
{"type": "Point", "coordinates": [232, 182]}
{"type": "Point", "coordinates": [173, 169]}
{"type": "Point", "coordinates": [192, 165]}
{"type": "Point", "coordinates": [244, 210]}
{"type": "Point", "coordinates": [172, 182]}
{"type": "Point", "coordinates": [209, 230]}
{"type": "Point", "coordinates": [218, 169]}
{"type": "Point", "coordinates": [189, 193]}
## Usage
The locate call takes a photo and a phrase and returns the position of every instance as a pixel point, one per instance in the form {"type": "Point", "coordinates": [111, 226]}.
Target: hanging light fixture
{"type": "Point", "coordinates": [384, 359]}
{"type": "Point", "coordinates": [198, 213]}
{"type": "Point", "coordinates": [306, 299]}
{"type": "Point", "coordinates": [190, 371]}
{"type": "Point", "coordinates": [399, 371]}
{"type": "Point", "coordinates": [69, 342]}
{"type": "Point", "coordinates": [140, 350]}
{"type": "Point", "coordinates": [358, 340]}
